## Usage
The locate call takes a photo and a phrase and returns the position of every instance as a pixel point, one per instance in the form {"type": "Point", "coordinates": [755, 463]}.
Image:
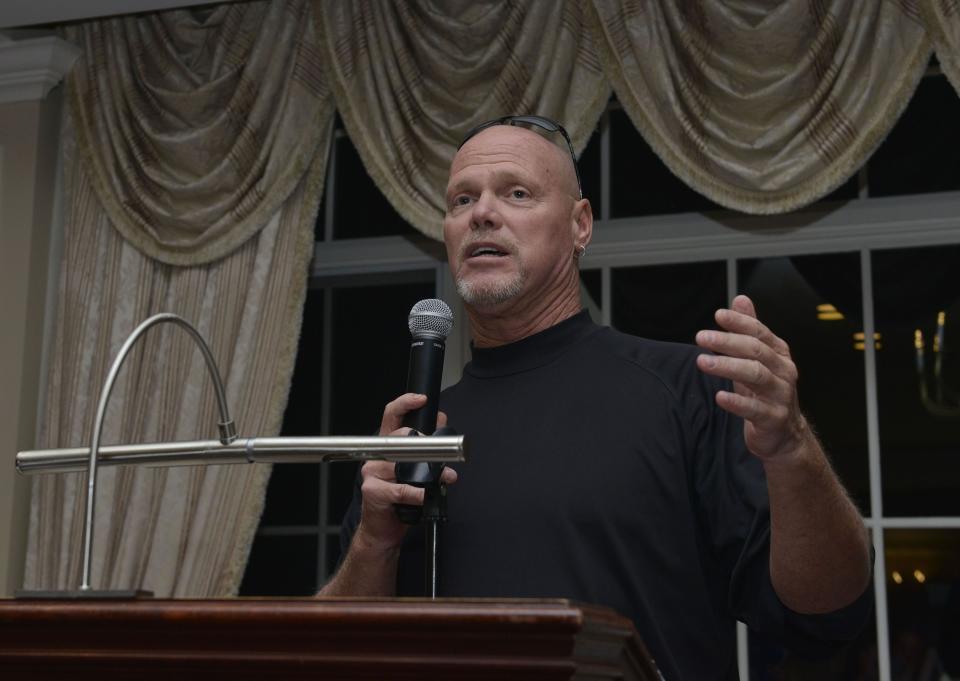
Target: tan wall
{"type": "Point", "coordinates": [29, 134]}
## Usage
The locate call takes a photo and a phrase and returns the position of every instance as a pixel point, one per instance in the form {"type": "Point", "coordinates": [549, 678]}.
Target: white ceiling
{"type": "Point", "coordinates": [24, 13]}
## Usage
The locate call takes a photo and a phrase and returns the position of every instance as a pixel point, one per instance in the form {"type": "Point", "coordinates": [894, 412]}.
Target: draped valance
{"type": "Point", "coordinates": [411, 78]}
{"type": "Point", "coordinates": [762, 106]}
{"type": "Point", "coordinates": [197, 125]}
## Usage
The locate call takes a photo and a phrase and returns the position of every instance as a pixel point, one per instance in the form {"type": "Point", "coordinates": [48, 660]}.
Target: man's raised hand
{"type": "Point", "coordinates": [764, 380]}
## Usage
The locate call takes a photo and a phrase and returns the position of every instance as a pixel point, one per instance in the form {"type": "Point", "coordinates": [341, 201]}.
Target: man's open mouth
{"type": "Point", "coordinates": [485, 251]}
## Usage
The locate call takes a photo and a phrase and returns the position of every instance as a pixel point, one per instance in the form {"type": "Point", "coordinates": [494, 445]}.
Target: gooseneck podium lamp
{"type": "Point", "coordinates": [229, 449]}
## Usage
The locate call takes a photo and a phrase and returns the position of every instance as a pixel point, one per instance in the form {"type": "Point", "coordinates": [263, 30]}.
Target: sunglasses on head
{"type": "Point", "coordinates": [536, 121]}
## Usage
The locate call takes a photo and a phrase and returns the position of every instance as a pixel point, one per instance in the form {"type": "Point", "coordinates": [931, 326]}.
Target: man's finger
{"type": "Point", "coordinates": [749, 372]}
{"type": "Point", "coordinates": [400, 432]}
{"type": "Point", "coordinates": [747, 347]}
{"type": "Point", "coordinates": [381, 493]}
{"type": "Point", "coordinates": [744, 305]}
{"type": "Point", "coordinates": [739, 322]}
{"type": "Point", "coordinates": [761, 414]}
{"type": "Point", "coordinates": [441, 419]}
{"type": "Point", "coordinates": [382, 470]}
{"type": "Point", "coordinates": [407, 494]}
{"type": "Point", "coordinates": [737, 345]}
{"type": "Point", "coordinates": [394, 412]}
{"type": "Point", "coordinates": [448, 476]}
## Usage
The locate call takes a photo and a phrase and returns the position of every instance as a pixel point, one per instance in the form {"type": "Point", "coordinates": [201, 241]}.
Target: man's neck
{"type": "Point", "coordinates": [491, 328]}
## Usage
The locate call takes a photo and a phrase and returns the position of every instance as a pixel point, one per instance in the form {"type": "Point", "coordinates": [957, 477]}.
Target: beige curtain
{"type": "Point", "coordinates": [197, 125]}
{"type": "Point", "coordinates": [942, 18]}
{"type": "Point", "coordinates": [410, 78]}
{"type": "Point", "coordinates": [201, 143]}
{"type": "Point", "coordinates": [762, 106]}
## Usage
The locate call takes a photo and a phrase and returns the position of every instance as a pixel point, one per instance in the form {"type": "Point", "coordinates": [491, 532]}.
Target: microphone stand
{"type": "Point", "coordinates": [433, 511]}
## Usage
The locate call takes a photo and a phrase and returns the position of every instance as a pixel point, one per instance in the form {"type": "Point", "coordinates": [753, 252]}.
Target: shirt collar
{"type": "Point", "coordinates": [533, 351]}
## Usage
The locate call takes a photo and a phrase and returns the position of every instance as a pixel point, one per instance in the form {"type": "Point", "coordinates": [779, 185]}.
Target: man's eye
{"type": "Point", "coordinates": [461, 200]}
{"type": "Point", "coordinates": [519, 194]}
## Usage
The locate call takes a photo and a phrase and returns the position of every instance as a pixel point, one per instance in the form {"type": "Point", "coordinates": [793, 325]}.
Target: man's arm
{"type": "Point", "coordinates": [819, 548]}
{"type": "Point", "coordinates": [370, 566]}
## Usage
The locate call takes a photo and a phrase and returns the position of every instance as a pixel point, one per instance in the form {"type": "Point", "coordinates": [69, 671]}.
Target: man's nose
{"type": "Point", "coordinates": [485, 213]}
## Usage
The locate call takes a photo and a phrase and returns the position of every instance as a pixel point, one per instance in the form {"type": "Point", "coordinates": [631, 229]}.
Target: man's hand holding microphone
{"type": "Point", "coordinates": [370, 566]}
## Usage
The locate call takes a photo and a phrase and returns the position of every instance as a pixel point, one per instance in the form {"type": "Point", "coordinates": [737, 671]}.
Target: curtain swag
{"type": "Point", "coordinates": [942, 20]}
{"type": "Point", "coordinates": [197, 125]}
{"type": "Point", "coordinates": [410, 79]}
{"type": "Point", "coordinates": [763, 108]}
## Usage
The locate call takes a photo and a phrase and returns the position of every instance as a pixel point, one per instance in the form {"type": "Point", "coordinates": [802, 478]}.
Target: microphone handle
{"type": "Point", "coordinates": [423, 376]}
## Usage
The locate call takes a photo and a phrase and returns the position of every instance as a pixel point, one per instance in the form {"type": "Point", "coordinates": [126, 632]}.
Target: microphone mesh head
{"type": "Point", "coordinates": [430, 318]}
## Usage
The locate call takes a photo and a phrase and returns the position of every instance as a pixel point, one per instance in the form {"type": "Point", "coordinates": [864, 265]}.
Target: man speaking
{"type": "Point", "coordinates": [682, 488]}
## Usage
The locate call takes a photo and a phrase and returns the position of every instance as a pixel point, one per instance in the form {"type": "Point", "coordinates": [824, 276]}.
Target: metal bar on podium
{"type": "Point", "coordinates": [446, 449]}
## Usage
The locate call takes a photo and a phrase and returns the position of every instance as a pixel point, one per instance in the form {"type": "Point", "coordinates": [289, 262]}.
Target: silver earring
{"type": "Point", "coordinates": [579, 250]}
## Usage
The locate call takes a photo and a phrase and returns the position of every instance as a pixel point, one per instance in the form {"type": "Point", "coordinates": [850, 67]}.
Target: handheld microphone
{"type": "Point", "coordinates": [430, 322]}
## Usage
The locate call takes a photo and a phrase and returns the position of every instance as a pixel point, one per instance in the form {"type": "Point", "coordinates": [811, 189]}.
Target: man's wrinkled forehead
{"type": "Point", "coordinates": [533, 136]}
{"type": "Point", "coordinates": [516, 143]}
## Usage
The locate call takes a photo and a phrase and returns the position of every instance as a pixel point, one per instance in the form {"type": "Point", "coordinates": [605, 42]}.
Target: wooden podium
{"type": "Point", "coordinates": [179, 640]}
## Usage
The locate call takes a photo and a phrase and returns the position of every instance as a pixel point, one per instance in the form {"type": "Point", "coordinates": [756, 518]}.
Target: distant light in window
{"type": "Point", "coordinates": [918, 342]}
{"type": "Point", "coordinates": [938, 339]}
{"type": "Point", "coordinates": [919, 576]}
{"type": "Point", "coordinates": [827, 312]}
{"type": "Point", "coordinates": [897, 577]}
{"type": "Point", "coordinates": [859, 338]}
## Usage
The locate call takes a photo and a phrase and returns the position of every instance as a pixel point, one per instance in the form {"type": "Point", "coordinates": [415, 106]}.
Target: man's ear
{"type": "Point", "coordinates": [582, 222]}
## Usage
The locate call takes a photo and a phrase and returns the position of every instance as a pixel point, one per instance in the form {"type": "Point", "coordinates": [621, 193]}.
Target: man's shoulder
{"type": "Point", "coordinates": [660, 357]}
{"type": "Point", "coordinates": [671, 364]}
{"type": "Point", "coordinates": [609, 356]}
{"type": "Point", "coordinates": [647, 347]}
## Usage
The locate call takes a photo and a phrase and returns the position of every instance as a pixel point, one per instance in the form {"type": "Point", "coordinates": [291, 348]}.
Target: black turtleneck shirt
{"type": "Point", "coordinates": [601, 470]}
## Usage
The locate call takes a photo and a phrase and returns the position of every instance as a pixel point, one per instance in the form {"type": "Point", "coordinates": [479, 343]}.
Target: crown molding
{"type": "Point", "coordinates": [29, 69]}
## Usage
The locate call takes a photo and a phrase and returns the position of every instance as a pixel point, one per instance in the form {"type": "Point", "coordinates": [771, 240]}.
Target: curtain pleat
{"type": "Point", "coordinates": [942, 18]}
{"type": "Point", "coordinates": [196, 125]}
{"type": "Point", "coordinates": [185, 531]}
{"type": "Point", "coordinates": [762, 107]}
{"type": "Point", "coordinates": [411, 78]}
